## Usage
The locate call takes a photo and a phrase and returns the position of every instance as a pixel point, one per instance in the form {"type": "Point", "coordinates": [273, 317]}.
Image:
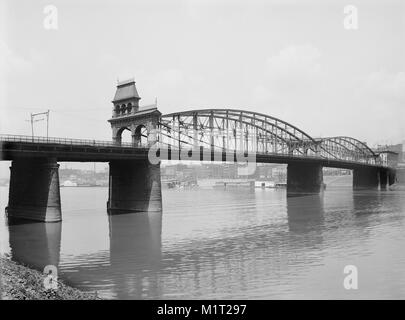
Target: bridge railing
{"type": "Point", "coordinates": [54, 140]}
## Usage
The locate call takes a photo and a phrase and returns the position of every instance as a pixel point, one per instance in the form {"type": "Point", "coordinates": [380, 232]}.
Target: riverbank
{"type": "Point", "coordinates": [18, 282]}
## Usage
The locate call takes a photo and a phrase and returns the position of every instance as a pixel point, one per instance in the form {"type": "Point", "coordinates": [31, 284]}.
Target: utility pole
{"type": "Point", "coordinates": [32, 127]}
{"type": "Point", "coordinates": [33, 115]}
{"type": "Point", "coordinates": [47, 124]}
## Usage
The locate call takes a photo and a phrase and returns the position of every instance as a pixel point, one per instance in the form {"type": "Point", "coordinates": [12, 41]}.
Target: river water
{"type": "Point", "coordinates": [222, 244]}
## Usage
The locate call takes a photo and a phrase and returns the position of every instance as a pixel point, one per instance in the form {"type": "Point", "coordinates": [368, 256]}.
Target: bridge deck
{"type": "Point", "coordinates": [75, 150]}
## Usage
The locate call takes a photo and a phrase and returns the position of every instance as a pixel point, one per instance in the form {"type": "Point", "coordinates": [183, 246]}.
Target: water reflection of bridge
{"type": "Point", "coordinates": [138, 265]}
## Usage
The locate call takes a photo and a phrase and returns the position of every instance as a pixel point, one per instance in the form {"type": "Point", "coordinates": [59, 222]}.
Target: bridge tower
{"type": "Point", "coordinates": [134, 185]}
{"type": "Point", "coordinates": [127, 115]}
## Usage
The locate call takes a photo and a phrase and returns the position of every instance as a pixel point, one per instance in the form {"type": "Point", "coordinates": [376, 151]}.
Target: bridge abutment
{"type": "Point", "coordinates": [134, 185]}
{"type": "Point", "coordinates": [34, 190]}
{"type": "Point", "coordinates": [366, 178]}
{"type": "Point", "coordinates": [304, 178]}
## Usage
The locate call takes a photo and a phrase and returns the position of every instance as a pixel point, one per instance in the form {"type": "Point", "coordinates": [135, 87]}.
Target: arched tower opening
{"type": "Point", "coordinates": [141, 136]}
{"type": "Point", "coordinates": [123, 136]}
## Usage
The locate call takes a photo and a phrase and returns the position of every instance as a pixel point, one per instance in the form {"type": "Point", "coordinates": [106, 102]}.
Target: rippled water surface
{"type": "Point", "coordinates": [222, 244]}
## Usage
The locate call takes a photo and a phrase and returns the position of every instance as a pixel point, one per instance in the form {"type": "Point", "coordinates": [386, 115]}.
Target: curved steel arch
{"type": "Point", "coordinates": [350, 149]}
{"type": "Point", "coordinates": [246, 112]}
{"type": "Point", "coordinates": [363, 147]}
{"type": "Point", "coordinates": [238, 130]}
{"type": "Point", "coordinates": [246, 131]}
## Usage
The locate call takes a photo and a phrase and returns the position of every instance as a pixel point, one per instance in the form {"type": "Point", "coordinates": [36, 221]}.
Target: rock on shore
{"type": "Point", "coordinates": [18, 282]}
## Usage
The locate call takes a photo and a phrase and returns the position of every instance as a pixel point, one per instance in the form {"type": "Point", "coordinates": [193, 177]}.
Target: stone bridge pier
{"type": "Point", "coordinates": [392, 176]}
{"type": "Point", "coordinates": [134, 185]}
{"type": "Point", "coordinates": [34, 190]}
{"type": "Point", "coordinates": [304, 178]}
{"type": "Point", "coordinates": [367, 178]}
{"type": "Point", "coordinates": [383, 179]}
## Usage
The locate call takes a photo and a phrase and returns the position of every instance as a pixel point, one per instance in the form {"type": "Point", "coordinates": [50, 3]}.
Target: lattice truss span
{"type": "Point", "coordinates": [244, 131]}
{"type": "Point", "coordinates": [234, 130]}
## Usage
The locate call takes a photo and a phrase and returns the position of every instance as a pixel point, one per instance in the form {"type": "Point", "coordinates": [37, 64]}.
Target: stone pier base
{"type": "Point", "coordinates": [366, 178]}
{"type": "Point", "coordinates": [392, 178]}
{"type": "Point", "coordinates": [134, 186]}
{"type": "Point", "coordinates": [304, 179]}
{"type": "Point", "coordinates": [383, 179]}
{"type": "Point", "coordinates": [34, 190]}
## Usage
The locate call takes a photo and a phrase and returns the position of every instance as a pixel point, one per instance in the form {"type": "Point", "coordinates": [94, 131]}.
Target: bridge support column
{"type": "Point", "coordinates": [34, 190]}
{"type": "Point", "coordinates": [391, 177]}
{"type": "Point", "coordinates": [134, 186]}
{"type": "Point", "coordinates": [383, 179]}
{"type": "Point", "coordinates": [304, 178]}
{"type": "Point", "coordinates": [365, 178]}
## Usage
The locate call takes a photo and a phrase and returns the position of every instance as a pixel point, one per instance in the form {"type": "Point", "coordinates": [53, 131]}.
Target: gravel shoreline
{"type": "Point", "coordinates": [18, 282]}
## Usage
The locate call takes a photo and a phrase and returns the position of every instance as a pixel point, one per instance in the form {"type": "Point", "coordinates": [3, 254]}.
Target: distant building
{"type": "Point", "coordinates": [391, 155]}
{"type": "Point", "coordinates": [397, 154]}
{"type": "Point", "coordinates": [69, 183]}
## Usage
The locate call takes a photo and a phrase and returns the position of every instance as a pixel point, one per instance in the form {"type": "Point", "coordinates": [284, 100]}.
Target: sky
{"type": "Point", "coordinates": [294, 60]}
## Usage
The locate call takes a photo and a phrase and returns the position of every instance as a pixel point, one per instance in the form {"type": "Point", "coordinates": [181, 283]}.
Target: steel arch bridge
{"type": "Point", "coordinates": [252, 132]}
{"type": "Point", "coordinates": [134, 175]}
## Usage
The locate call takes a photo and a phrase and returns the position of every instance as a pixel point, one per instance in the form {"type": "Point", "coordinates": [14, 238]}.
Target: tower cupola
{"type": "Point", "coordinates": [126, 99]}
